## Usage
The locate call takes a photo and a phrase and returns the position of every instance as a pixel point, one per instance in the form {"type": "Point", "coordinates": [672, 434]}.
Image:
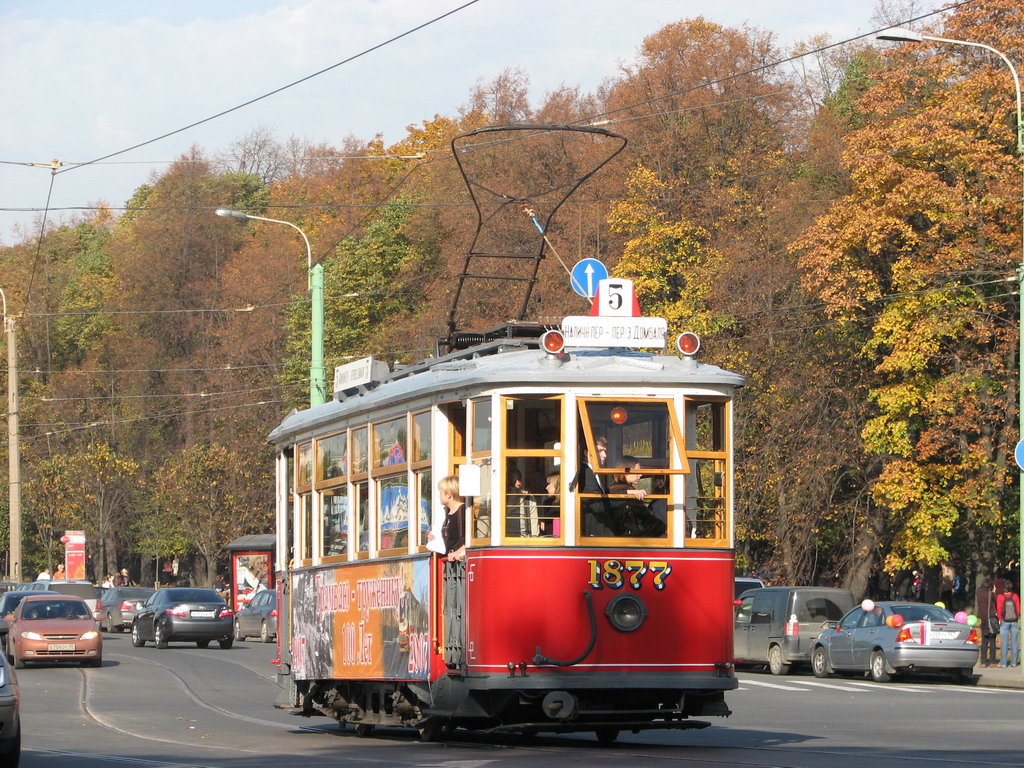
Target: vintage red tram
{"type": "Point", "coordinates": [551, 623]}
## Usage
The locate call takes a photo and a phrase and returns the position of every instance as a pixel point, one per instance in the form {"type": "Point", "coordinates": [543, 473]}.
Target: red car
{"type": "Point", "coordinates": [54, 628]}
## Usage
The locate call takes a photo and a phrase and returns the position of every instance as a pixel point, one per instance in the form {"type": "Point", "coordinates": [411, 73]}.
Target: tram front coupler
{"type": "Point", "coordinates": [540, 660]}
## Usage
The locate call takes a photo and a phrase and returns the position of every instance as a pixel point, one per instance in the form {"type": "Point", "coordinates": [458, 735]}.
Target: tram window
{"type": "Point", "coordinates": [640, 429]}
{"type": "Point", "coordinates": [706, 501]}
{"type": "Point", "coordinates": [336, 524]}
{"type": "Point", "coordinates": [304, 467]}
{"type": "Point", "coordinates": [481, 509]}
{"type": "Point", "coordinates": [532, 423]}
{"type": "Point", "coordinates": [644, 446]}
{"type": "Point", "coordinates": [424, 493]}
{"type": "Point", "coordinates": [362, 506]}
{"type": "Point", "coordinates": [359, 451]}
{"type": "Point", "coordinates": [705, 428]}
{"type": "Point", "coordinates": [333, 452]}
{"type": "Point", "coordinates": [393, 517]}
{"type": "Point", "coordinates": [705, 504]}
{"type": "Point", "coordinates": [481, 426]}
{"type": "Point", "coordinates": [306, 526]}
{"type": "Point", "coordinates": [389, 442]}
{"type": "Point", "coordinates": [421, 436]}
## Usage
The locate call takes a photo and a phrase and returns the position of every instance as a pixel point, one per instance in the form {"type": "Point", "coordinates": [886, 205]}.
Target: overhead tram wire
{"type": "Point", "coordinates": [276, 91]}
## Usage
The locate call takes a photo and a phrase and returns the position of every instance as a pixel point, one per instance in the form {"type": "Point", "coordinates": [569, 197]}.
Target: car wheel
{"type": "Point", "coordinates": [607, 734]}
{"type": "Point", "coordinates": [19, 663]}
{"type": "Point", "coordinates": [93, 663]}
{"type": "Point", "coordinates": [226, 643]}
{"type": "Point", "coordinates": [819, 662]}
{"type": "Point", "coordinates": [10, 751]}
{"type": "Point", "coordinates": [106, 625]}
{"type": "Point", "coordinates": [963, 676]}
{"type": "Point", "coordinates": [265, 633]}
{"type": "Point", "coordinates": [137, 640]}
{"type": "Point", "coordinates": [202, 643]}
{"type": "Point", "coordinates": [160, 635]}
{"type": "Point", "coordinates": [238, 631]}
{"type": "Point", "coordinates": [878, 668]}
{"type": "Point", "coordinates": [775, 663]}
{"type": "Point", "coordinates": [363, 730]}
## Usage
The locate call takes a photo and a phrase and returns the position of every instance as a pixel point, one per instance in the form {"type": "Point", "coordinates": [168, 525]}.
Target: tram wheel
{"type": "Point", "coordinates": [363, 730]}
{"type": "Point", "coordinates": [607, 735]}
{"type": "Point", "coordinates": [431, 729]}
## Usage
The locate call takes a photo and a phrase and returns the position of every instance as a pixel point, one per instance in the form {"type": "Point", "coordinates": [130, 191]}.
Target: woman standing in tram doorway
{"type": "Point", "coordinates": [453, 530]}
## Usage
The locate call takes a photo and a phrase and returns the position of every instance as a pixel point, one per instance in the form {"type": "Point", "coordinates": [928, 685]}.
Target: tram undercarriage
{"type": "Point", "coordinates": [537, 703]}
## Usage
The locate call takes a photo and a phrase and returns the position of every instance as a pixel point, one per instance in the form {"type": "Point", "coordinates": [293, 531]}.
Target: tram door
{"type": "Point", "coordinates": [453, 574]}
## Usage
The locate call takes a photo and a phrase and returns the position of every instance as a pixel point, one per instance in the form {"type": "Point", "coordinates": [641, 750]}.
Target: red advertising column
{"type": "Point", "coordinates": [74, 553]}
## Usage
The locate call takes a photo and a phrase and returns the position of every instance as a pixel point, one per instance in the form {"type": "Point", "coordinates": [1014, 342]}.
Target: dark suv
{"type": "Point", "coordinates": [184, 613]}
{"type": "Point", "coordinates": [777, 625]}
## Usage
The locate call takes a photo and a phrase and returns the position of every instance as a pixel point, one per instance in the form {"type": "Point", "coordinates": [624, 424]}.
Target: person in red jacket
{"type": "Point", "coordinates": [1008, 611]}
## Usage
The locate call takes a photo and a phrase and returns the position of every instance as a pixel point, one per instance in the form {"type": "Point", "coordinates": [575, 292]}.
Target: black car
{"type": "Point", "coordinates": [184, 613]}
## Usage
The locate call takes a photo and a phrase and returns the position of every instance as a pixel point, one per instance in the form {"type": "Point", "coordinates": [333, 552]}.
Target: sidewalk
{"type": "Point", "coordinates": [997, 677]}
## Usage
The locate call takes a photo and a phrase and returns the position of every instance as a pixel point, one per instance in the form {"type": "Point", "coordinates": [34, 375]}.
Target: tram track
{"type": "Point", "coordinates": [552, 747]}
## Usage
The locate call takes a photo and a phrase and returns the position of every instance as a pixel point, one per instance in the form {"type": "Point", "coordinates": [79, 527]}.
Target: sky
{"type": "Point", "coordinates": [83, 79]}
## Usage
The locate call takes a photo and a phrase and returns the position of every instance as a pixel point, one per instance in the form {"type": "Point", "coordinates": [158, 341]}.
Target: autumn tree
{"type": "Point", "coordinates": [205, 488]}
{"type": "Point", "coordinates": [918, 254]}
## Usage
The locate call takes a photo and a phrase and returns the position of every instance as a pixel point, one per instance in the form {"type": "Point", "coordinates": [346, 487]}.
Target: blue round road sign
{"type": "Point", "coordinates": [585, 276]}
{"type": "Point", "coordinates": [1018, 454]}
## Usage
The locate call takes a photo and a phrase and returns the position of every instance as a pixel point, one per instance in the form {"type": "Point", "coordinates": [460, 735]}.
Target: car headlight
{"type": "Point", "coordinates": [626, 612]}
{"type": "Point", "coordinates": [31, 636]}
{"type": "Point", "coordinates": [3, 675]}
{"type": "Point", "coordinates": [89, 635]}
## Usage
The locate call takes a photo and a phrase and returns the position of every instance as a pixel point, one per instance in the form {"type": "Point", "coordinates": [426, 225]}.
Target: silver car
{"type": "Point", "coordinates": [117, 606]}
{"type": "Point", "coordinates": [887, 639]}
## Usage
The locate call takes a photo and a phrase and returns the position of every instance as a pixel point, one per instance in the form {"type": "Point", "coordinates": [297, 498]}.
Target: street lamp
{"type": "Point", "coordinates": [13, 446]}
{"type": "Point", "coordinates": [902, 35]}
{"type": "Point", "coordinates": [317, 373]}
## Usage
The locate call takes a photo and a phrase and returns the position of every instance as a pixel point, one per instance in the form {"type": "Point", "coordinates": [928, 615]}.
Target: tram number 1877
{"type": "Point", "coordinates": [614, 574]}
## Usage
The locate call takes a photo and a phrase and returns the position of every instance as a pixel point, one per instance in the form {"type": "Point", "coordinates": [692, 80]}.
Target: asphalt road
{"type": "Point", "coordinates": [189, 708]}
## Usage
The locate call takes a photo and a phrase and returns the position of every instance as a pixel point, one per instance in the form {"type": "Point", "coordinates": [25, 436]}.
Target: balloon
{"type": "Point", "coordinates": [896, 620]}
{"type": "Point", "coordinates": [961, 617]}
{"type": "Point", "coordinates": [941, 604]}
{"type": "Point", "coordinates": [868, 605]}
{"type": "Point", "coordinates": [973, 621]}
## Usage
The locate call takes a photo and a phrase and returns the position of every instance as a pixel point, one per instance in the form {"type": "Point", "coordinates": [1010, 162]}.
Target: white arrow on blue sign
{"type": "Point", "coordinates": [1018, 454]}
{"type": "Point", "coordinates": [585, 276]}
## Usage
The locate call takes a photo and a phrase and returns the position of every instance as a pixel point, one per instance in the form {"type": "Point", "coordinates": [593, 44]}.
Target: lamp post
{"type": "Point", "coordinates": [317, 373]}
{"type": "Point", "coordinates": [902, 35]}
{"type": "Point", "coordinates": [13, 446]}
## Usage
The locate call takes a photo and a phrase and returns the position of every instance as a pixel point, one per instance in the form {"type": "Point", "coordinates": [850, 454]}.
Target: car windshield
{"type": "Point", "coordinates": [54, 609]}
{"type": "Point", "coordinates": [192, 596]}
{"type": "Point", "coordinates": [922, 612]}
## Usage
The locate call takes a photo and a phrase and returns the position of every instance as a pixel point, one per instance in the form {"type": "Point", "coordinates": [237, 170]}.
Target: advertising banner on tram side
{"type": "Point", "coordinates": [362, 620]}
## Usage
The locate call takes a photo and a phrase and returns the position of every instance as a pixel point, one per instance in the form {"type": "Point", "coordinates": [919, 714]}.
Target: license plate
{"type": "Point", "coordinates": [202, 614]}
{"type": "Point", "coordinates": [945, 635]}
{"type": "Point", "coordinates": [60, 647]}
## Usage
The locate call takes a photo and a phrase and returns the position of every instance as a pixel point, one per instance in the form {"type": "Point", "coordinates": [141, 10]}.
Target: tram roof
{"type": "Point", "coordinates": [461, 375]}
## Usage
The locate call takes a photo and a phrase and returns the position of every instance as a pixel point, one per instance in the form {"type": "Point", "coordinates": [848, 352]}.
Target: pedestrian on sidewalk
{"type": "Point", "coordinates": [1008, 611]}
{"type": "Point", "coordinates": [985, 610]}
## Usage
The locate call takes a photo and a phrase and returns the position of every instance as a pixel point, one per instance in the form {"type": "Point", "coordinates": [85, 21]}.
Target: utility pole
{"type": "Point", "coordinates": [13, 448]}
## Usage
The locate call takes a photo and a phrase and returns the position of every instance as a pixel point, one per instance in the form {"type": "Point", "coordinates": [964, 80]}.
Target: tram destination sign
{"type": "Point", "coordinates": [634, 332]}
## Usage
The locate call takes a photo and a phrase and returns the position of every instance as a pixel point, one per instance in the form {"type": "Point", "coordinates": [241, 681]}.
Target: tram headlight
{"type": "Point", "coordinates": [688, 343]}
{"type": "Point", "coordinates": [553, 342]}
{"type": "Point", "coordinates": [626, 612]}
